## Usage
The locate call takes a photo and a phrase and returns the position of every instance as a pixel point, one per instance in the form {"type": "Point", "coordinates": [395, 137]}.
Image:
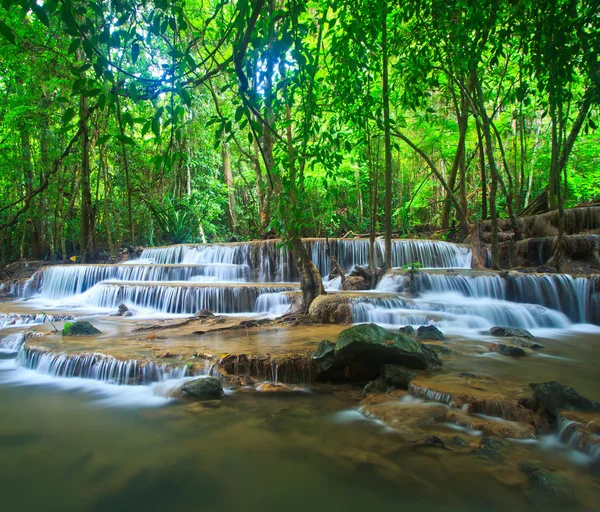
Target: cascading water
{"type": "Point", "coordinates": [273, 303]}
{"type": "Point", "coordinates": [456, 314]}
{"type": "Point", "coordinates": [98, 367]}
{"type": "Point", "coordinates": [18, 319]}
{"type": "Point", "coordinates": [576, 297]}
{"type": "Point", "coordinates": [59, 282]}
{"type": "Point", "coordinates": [174, 298]}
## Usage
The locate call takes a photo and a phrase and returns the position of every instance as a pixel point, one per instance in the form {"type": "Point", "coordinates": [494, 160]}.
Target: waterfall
{"type": "Point", "coordinates": [98, 367]}
{"type": "Point", "coordinates": [273, 303]}
{"type": "Point", "coordinates": [492, 285]}
{"type": "Point", "coordinates": [12, 342]}
{"type": "Point", "coordinates": [576, 297]}
{"type": "Point", "coordinates": [164, 255]}
{"type": "Point", "coordinates": [185, 299]}
{"type": "Point", "coordinates": [456, 312]}
{"type": "Point", "coordinates": [18, 319]}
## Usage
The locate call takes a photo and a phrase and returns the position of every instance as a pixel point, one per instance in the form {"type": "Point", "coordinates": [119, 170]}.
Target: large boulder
{"type": "Point", "coordinates": [368, 346]}
{"type": "Point", "coordinates": [208, 388]}
{"type": "Point", "coordinates": [430, 333]}
{"type": "Point", "coordinates": [328, 368]}
{"type": "Point", "coordinates": [510, 332]}
{"type": "Point", "coordinates": [555, 397]}
{"type": "Point", "coordinates": [330, 309]}
{"type": "Point", "coordinates": [80, 328]}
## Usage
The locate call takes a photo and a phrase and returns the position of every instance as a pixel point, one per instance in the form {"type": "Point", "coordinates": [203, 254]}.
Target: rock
{"type": "Point", "coordinates": [509, 332]}
{"type": "Point", "coordinates": [328, 368]}
{"type": "Point", "coordinates": [457, 441]}
{"type": "Point", "coordinates": [554, 397]}
{"type": "Point", "coordinates": [508, 350]}
{"type": "Point", "coordinates": [274, 387]}
{"type": "Point", "coordinates": [80, 328]}
{"type": "Point", "coordinates": [353, 283]}
{"type": "Point", "coordinates": [440, 349]}
{"type": "Point", "coordinates": [529, 466]}
{"type": "Point", "coordinates": [525, 343]}
{"type": "Point", "coordinates": [549, 491]}
{"type": "Point", "coordinates": [331, 309]}
{"type": "Point", "coordinates": [488, 449]}
{"type": "Point", "coordinates": [397, 376]}
{"type": "Point", "coordinates": [377, 386]}
{"type": "Point", "coordinates": [430, 333]}
{"type": "Point", "coordinates": [368, 346]}
{"type": "Point", "coordinates": [203, 313]}
{"type": "Point", "coordinates": [123, 309]}
{"type": "Point", "coordinates": [433, 441]}
{"type": "Point", "coordinates": [127, 313]}
{"type": "Point", "coordinates": [208, 388]}
{"type": "Point", "coordinates": [409, 330]}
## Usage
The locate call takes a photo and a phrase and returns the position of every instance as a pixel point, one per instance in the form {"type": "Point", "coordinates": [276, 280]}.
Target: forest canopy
{"type": "Point", "coordinates": [139, 122]}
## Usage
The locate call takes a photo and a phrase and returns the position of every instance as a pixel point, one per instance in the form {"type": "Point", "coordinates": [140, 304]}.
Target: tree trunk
{"type": "Point", "coordinates": [225, 154]}
{"type": "Point", "coordinates": [311, 283]}
{"type": "Point", "coordinates": [86, 236]}
{"type": "Point", "coordinates": [387, 143]}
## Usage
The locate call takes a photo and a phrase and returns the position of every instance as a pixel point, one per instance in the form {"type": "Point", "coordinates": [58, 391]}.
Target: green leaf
{"type": "Point", "coordinates": [74, 45]}
{"type": "Point", "coordinates": [68, 115]}
{"type": "Point", "coordinates": [7, 33]}
{"type": "Point", "coordinates": [128, 118]}
{"type": "Point", "coordinates": [40, 12]}
{"type": "Point", "coordinates": [135, 52]}
{"type": "Point", "coordinates": [102, 140]}
{"type": "Point", "coordinates": [239, 112]}
{"type": "Point", "coordinates": [125, 139]}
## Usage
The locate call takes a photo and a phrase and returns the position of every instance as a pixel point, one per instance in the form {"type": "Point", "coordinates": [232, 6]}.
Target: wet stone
{"type": "Point", "coordinates": [510, 332]}
{"type": "Point", "coordinates": [555, 396]}
{"type": "Point", "coordinates": [430, 333]}
{"type": "Point", "coordinates": [409, 330]}
{"type": "Point", "coordinates": [208, 388]}
{"type": "Point", "coordinates": [508, 350]}
{"type": "Point", "coordinates": [549, 491]}
{"type": "Point", "coordinates": [368, 346]}
{"type": "Point", "coordinates": [80, 328]}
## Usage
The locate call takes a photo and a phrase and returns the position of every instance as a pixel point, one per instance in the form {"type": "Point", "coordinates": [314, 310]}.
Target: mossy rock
{"type": "Point", "coordinates": [369, 346]}
{"type": "Point", "coordinates": [80, 328]}
{"type": "Point", "coordinates": [208, 388]}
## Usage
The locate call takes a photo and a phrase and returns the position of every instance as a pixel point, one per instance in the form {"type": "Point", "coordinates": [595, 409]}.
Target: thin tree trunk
{"type": "Point", "coordinates": [225, 155]}
{"type": "Point", "coordinates": [387, 143]}
{"type": "Point", "coordinates": [86, 248]}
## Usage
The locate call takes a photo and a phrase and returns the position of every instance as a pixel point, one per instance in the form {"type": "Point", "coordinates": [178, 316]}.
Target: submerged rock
{"type": "Point", "coordinates": [392, 377]}
{"type": "Point", "coordinates": [508, 350]}
{"type": "Point", "coordinates": [368, 346]}
{"type": "Point", "coordinates": [509, 332]}
{"type": "Point", "coordinates": [549, 491]}
{"type": "Point", "coordinates": [554, 396]}
{"type": "Point", "coordinates": [274, 387]}
{"type": "Point", "coordinates": [80, 328]}
{"type": "Point", "coordinates": [397, 376]}
{"type": "Point", "coordinates": [525, 343]}
{"type": "Point", "coordinates": [208, 388]}
{"type": "Point", "coordinates": [430, 333]}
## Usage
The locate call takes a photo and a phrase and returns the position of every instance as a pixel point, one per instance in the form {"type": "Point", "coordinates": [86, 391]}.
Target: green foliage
{"type": "Point", "coordinates": [293, 92]}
